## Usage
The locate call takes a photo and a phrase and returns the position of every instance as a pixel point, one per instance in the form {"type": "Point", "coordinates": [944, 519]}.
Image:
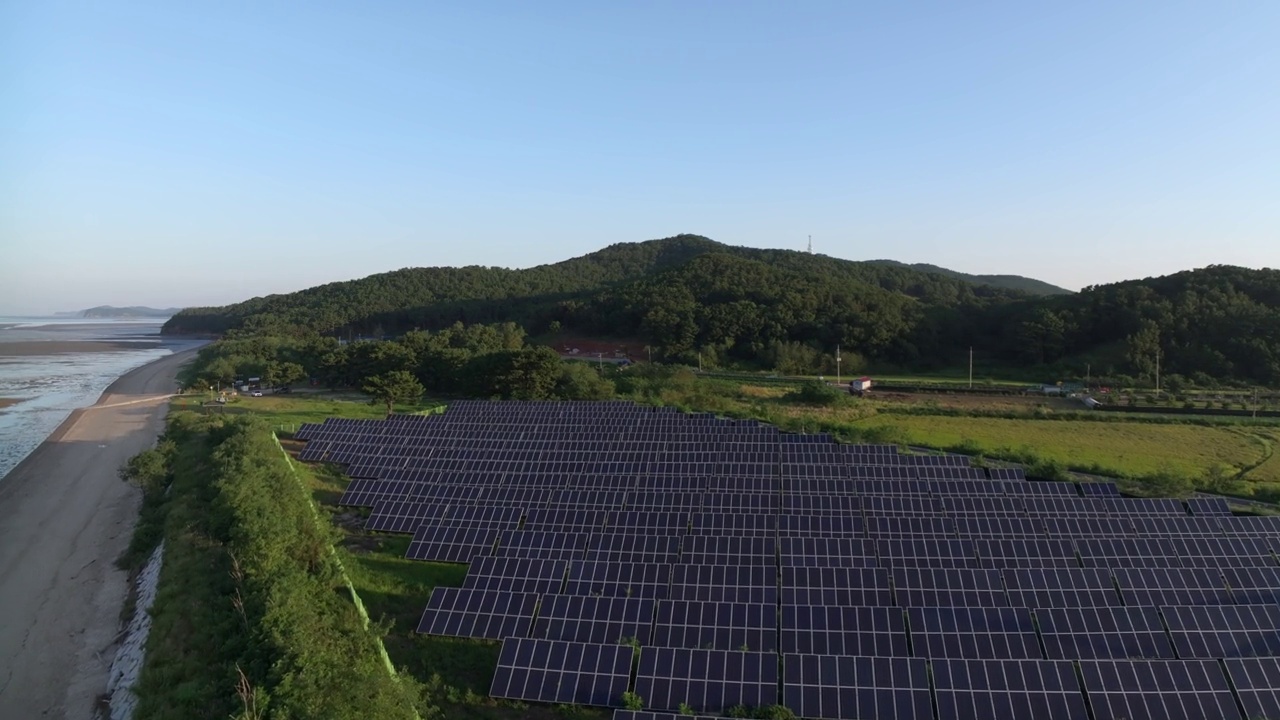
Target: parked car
{"type": "Point", "coordinates": [256, 393]}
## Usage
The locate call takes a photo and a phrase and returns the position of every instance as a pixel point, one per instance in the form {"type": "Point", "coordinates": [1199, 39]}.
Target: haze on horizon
{"type": "Point", "coordinates": [162, 154]}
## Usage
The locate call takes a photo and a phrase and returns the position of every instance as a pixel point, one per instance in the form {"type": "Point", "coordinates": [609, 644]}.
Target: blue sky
{"type": "Point", "coordinates": [190, 153]}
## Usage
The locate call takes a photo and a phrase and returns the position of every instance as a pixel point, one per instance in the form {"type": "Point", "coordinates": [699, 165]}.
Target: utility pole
{"type": "Point", "coordinates": [1255, 403]}
{"type": "Point", "coordinates": [699, 361]}
{"type": "Point", "coordinates": [837, 364]}
{"type": "Point", "coordinates": [1088, 373]}
{"type": "Point", "coordinates": [970, 367]}
{"type": "Point", "coordinates": [649, 349]}
{"type": "Point", "coordinates": [1157, 372]}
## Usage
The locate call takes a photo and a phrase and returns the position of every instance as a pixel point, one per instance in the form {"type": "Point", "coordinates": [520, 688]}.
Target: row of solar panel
{"type": "Point", "coordinates": [1070, 633]}
{"type": "Point", "coordinates": [886, 516]}
{"type": "Point", "coordinates": [856, 688]}
{"type": "Point", "coordinates": [826, 546]}
{"type": "Point", "coordinates": [1026, 587]}
{"type": "Point", "coordinates": [810, 493]}
{"type": "Point", "coordinates": [843, 543]}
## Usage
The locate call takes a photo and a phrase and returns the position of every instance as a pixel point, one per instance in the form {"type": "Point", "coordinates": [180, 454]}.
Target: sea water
{"type": "Point", "coordinates": [49, 385]}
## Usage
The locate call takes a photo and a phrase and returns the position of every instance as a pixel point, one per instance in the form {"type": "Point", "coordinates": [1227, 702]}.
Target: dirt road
{"type": "Point", "coordinates": [65, 516]}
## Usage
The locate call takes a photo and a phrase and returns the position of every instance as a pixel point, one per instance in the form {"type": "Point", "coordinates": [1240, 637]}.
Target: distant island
{"type": "Point", "coordinates": [108, 311]}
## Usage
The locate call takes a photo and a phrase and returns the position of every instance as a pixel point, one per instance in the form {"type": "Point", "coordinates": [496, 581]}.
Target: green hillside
{"type": "Point", "coordinates": [691, 300]}
{"type": "Point", "coordinates": [1030, 286]}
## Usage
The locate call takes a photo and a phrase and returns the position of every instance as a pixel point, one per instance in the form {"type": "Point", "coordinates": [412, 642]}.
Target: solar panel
{"type": "Point", "coordinates": [729, 583]}
{"type": "Point", "coordinates": [983, 689]}
{"type": "Point", "coordinates": [653, 715]}
{"type": "Point", "coordinates": [1253, 584]}
{"type": "Point", "coordinates": [556, 671]}
{"type": "Point", "coordinates": [908, 527]}
{"type": "Point", "coordinates": [1060, 587]}
{"type": "Point", "coordinates": [1099, 489]}
{"type": "Point", "coordinates": [955, 588]}
{"type": "Point", "coordinates": [1025, 553]}
{"type": "Point", "coordinates": [706, 680]}
{"type": "Point", "coordinates": [1208, 506]}
{"type": "Point", "coordinates": [716, 625]}
{"type": "Point", "coordinates": [1042, 488]}
{"type": "Point", "coordinates": [450, 543]}
{"type": "Point", "coordinates": [835, 586]}
{"type": "Point", "coordinates": [722, 523]}
{"type": "Point", "coordinates": [1126, 553]}
{"type": "Point", "coordinates": [1221, 552]}
{"type": "Point", "coordinates": [836, 630]}
{"type": "Point", "coordinates": [1171, 586]}
{"type": "Point", "coordinates": [1224, 631]}
{"type": "Point", "coordinates": [1157, 690]}
{"type": "Point", "coordinates": [403, 516]}
{"type": "Point", "coordinates": [516, 574]}
{"type": "Point", "coordinates": [540, 544]}
{"type": "Point", "coordinates": [1257, 683]}
{"type": "Point", "coordinates": [494, 614]}
{"type": "Point", "coordinates": [854, 688]}
{"type": "Point", "coordinates": [729, 550]}
{"type": "Point", "coordinates": [580, 618]}
{"type": "Point", "coordinates": [973, 632]}
{"type": "Point", "coordinates": [820, 526]}
{"type": "Point", "coordinates": [927, 552]}
{"type": "Point", "coordinates": [649, 580]}
{"type": "Point", "coordinates": [1093, 633]}
{"type": "Point", "coordinates": [627, 548]}
{"type": "Point", "coordinates": [826, 552]}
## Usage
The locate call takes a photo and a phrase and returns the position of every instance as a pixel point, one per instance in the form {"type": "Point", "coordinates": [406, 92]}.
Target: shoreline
{"type": "Point", "coordinates": [69, 517]}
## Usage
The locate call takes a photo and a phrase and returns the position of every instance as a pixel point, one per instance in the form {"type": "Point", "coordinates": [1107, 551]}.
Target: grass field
{"type": "Point", "coordinates": [1129, 448]}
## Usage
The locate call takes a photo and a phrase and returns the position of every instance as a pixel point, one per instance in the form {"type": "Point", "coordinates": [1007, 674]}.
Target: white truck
{"type": "Point", "coordinates": [860, 386]}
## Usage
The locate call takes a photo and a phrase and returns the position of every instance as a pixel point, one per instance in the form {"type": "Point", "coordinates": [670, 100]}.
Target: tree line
{"type": "Point", "coordinates": [489, 360]}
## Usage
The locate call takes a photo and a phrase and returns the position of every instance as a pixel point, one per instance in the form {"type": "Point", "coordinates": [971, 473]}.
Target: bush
{"type": "Point", "coordinates": [816, 392]}
{"type": "Point", "coordinates": [263, 597]}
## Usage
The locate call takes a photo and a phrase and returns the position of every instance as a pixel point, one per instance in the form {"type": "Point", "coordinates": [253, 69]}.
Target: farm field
{"type": "Point", "coordinates": [1128, 448]}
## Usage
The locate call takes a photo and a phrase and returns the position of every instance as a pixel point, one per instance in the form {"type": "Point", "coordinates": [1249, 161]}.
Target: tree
{"type": "Point", "coordinates": [580, 381]}
{"type": "Point", "coordinates": [531, 374]}
{"type": "Point", "coordinates": [397, 386]}
{"type": "Point", "coordinates": [279, 374]}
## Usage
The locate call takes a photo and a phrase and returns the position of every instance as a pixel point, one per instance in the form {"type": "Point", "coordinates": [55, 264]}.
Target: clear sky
{"type": "Point", "coordinates": [178, 153]}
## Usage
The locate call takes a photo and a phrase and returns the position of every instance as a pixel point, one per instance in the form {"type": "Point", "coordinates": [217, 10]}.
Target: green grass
{"type": "Point", "coordinates": [191, 619]}
{"type": "Point", "coordinates": [1126, 448]}
{"type": "Point", "coordinates": [290, 411]}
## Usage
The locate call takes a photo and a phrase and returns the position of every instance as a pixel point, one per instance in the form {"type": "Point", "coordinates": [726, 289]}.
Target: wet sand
{"type": "Point", "coordinates": [67, 518]}
{"type": "Point", "coordinates": [9, 402]}
{"type": "Point", "coordinates": [55, 347]}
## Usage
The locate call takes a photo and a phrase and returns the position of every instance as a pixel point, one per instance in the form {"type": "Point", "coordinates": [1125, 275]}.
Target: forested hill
{"type": "Point", "coordinates": [1031, 286]}
{"type": "Point", "coordinates": [436, 296]}
{"type": "Point", "coordinates": [690, 298]}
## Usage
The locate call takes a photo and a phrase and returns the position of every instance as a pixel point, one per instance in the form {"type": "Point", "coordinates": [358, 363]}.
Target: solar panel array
{"type": "Point", "coordinates": [756, 567]}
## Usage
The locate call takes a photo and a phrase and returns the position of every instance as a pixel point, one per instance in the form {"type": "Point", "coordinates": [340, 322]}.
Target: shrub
{"type": "Point", "coordinates": [815, 392]}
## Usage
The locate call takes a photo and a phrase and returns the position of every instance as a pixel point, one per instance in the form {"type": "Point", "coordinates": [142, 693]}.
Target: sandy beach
{"type": "Point", "coordinates": [6, 402]}
{"type": "Point", "coordinates": [67, 517]}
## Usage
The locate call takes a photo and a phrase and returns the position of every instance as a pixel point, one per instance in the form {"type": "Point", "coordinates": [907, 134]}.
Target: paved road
{"type": "Point", "coordinates": [65, 516]}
